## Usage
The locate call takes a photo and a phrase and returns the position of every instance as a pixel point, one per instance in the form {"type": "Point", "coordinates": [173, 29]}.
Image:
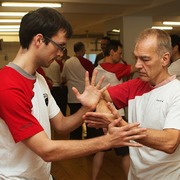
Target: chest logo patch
{"type": "Point", "coordinates": [46, 98]}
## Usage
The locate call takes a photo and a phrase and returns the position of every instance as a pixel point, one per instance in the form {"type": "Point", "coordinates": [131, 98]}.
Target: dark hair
{"type": "Point", "coordinates": [46, 21]}
{"type": "Point", "coordinates": [175, 40]}
{"type": "Point", "coordinates": [113, 44]}
{"type": "Point", "coordinates": [78, 46]}
{"type": "Point", "coordinates": [106, 38]}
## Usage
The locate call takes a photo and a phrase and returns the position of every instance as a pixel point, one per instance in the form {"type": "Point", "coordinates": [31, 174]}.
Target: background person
{"type": "Point", "coordinates": [104, 41]}
{"type": "Point", "coordinates": [54, 73]}
{"type": "Point", "coordinates": [174, 67]}
{"type": "Point", "coordinates": [73, 75]}
{"type": "Point", "coordinates": [114, 71]}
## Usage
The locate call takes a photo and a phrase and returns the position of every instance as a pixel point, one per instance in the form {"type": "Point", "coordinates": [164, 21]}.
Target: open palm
{"type": "Point", "coordinates": [92, 93]}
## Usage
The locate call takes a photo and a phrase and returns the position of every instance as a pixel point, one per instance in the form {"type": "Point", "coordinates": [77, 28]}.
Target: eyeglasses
{"type": "Point", "coordinates": [59, 46]}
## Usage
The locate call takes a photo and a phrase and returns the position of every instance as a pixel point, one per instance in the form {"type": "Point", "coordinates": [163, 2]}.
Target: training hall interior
{"type": "Point", "coordinates": [121, 20]}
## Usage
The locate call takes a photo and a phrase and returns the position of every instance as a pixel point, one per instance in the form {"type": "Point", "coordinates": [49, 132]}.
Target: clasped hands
{"type": "Point", "coordinates": [120, 133]}
{"type": "Point", "coordinates": [127, 133]}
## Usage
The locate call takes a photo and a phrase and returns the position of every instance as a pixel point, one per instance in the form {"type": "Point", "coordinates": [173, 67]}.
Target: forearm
{"type": "Point", "coordinates": [78, 148]}
{"type": "Point", "coordinates": [104, 115]}
{"type": "Point", "coordinates": [55, 150]}
{"type": "Point", "coordinates": [69, 123]}
{"type": "Point", "coordinates": [163, 140]}
{"type": "Point", "coordinates": [102, 106]}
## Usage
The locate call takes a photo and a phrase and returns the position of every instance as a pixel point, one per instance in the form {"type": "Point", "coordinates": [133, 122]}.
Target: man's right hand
{"type": "Point", "coordinates": [126, 135]}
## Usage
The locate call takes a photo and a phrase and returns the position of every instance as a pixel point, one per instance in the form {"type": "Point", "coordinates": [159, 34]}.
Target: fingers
{"type": "Point", "coordinates": [125, 135]}
{"type": "Point", "coordinates": [104, 88]}
{"type": "Point", "coordinates": [76, 92]}
{"type": "Point", "coordinates": [133, 129]}
{"type": "Point", "coordinates": [133, 144]}
{"type": "Point", "coordinates": [130, 126]}
{"type": "Point", "coordinates": [98, 120]}
{"type": "Point", "coordinates": [93, 116]}
{"type": "Point", "coordinates": [93, 79]}
{"type": "Point", "coordinates": [113, 109]}
{"type": "Point", "coordinates": [98, 85]}
{"type": "Point", "coordinates": [86, 78]}
{"type": "Point", "coordinates": [115, 123]}
{"type": "Point", "coordinates": [135, 137]}
{"type": "Point", "coordinates": [97, 126]}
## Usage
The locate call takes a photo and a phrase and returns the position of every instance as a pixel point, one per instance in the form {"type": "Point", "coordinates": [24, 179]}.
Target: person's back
{"type": "Point", "coordinates": [73, 75]}
{"type": "Point", "coordinates": [54, 73]}
{"type": "Point", "coordinates": [74, 71]}
{"type": "Point", "coordinates": [110, 77]}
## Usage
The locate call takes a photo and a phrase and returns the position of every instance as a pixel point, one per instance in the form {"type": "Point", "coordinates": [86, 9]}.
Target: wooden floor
{"type": "Point", "coordinates": [80, 169]}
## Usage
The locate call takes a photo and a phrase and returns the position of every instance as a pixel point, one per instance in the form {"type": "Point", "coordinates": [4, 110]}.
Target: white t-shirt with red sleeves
{"type": "Point", "coordinates": [155, 108]}
{"type": "Point", "coordinates": [26, 107]}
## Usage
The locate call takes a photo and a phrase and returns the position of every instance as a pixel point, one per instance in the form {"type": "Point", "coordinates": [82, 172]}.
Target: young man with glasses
{"type": "Point", "coordinates": [27, 107]}
{"type": "Point", "coordinates": [61, 47]}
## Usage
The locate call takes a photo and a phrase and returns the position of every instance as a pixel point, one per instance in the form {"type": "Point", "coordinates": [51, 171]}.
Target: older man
{"type": "Point", "coordinates": [153, 100]}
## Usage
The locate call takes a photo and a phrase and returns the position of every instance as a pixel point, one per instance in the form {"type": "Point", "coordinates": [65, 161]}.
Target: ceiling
{"type": "Point", "coordinates": [88, 16]}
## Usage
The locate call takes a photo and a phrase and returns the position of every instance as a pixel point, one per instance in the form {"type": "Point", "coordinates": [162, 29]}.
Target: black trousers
{"type": "Point", "coordinates": [77, 133]}
{"type": "Point", "coordinates": [60, 96]}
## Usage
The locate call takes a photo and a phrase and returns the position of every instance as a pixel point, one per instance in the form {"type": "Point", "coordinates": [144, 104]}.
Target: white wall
{"type": "Point", "coordinates": [9, 49]}
{"type": "Point", "coordinates": [8, 52]}
{"type": "Point", "coordinates": [90, 45]}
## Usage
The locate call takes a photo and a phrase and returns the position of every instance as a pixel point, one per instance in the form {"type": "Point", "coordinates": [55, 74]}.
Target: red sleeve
{"type": "Point", "coordinates": [119, 69]}
{"type": "Point", "coordinates": [122, 93]}
{"type": "Point", "coordinates": [119, 95]}
{"type": "Point", "coordinates": [15, 105]}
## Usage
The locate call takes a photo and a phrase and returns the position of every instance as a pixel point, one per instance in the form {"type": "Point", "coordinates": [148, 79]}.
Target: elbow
{"type": "Point", "coordinates": [173, 141]}
{"type": "Point", "coordinates": [170, 149]}
{"type": "Point", "coordinates": [51, 156]}
{"type": "Point", "coordinates": [47, 156]}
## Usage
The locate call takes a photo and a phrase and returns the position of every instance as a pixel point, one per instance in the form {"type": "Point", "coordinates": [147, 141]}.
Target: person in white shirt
{"type": "Point", "coordinates": [114, 71]}
{"type": "Point", "coordinates": [153, 100]}
{"type": "Point", "coordinates": [73, 75]}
